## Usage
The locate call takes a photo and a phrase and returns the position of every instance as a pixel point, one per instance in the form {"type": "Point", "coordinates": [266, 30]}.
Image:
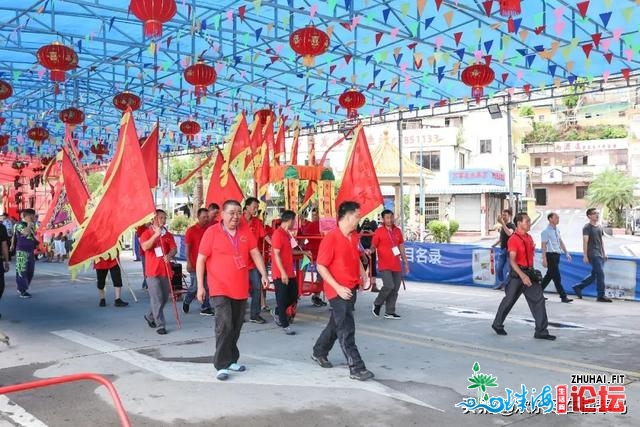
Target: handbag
{"type": "Point", "coordinates": [533, 274]}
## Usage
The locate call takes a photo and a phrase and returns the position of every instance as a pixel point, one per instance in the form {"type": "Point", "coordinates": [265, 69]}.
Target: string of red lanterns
{"type": "Point", "coordinates": [126, 99]}
{"type": "Point", "coordinates": [38, 134]}
{"type": "Point", "coordinates": [5, 90]}
{"type": "Point", "coordinates": [72, 116]}
{"type": "Point", "coordinates": [153, 13]}
{"type": "Point", "coordinates": [264, 114]}
{"type": "Point", "coordinates": [510, 8]}
{"type": "Point", "coordinates": [309, 42]}
{"type": "Point", "coordinates": [4, 140]}
{"type": "Point", "coordinates": [190, 129]}
{"type": "Point", "coordinates": [352, 100]}
{"type": "Point", "coordinates": [58, 59]}
{"type": "Point", "coordinates": [200, 75]}
{"type": "Point", "coordinates": [99, 149]}
{"type": "Point", "coordinates": [478, 76]}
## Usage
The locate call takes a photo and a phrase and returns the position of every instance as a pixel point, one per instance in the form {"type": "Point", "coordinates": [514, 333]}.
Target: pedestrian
{"type": "Point", "coordinates": [159, 249]}
{"type": "Point", "coordinates": [311, 230]}
{"type": "Point", "coordinates": [225, 251]}
{"type": "Point", "coordinates": [594, 254]}
{"type": "Point", "coordinates": [4, 251]}
{"type": "Point", "coordinates": [523, 279]}
{"type": "Point", "coordinates": [552, 248]}
{"type": "Point", "coordinates": [342, 272]}
{"type": "Point", "coordinates": [388, 244]}
{"type": "Point", "coordinates": [250, 220]}
{"type": "Point", "coordinates": [506, 230]}
{"type": "Point", "coordinates": [214, 213]}
{"type": "Point", "coordinates": [282, 273]}
{"type": "Point", "coordinates": [192, 239]}
{"type": "Point", "coordinates": [24, 243]}
{"type": "Point", "coordinates": [59, 247]}
{"type": "Point", "coordinates": [109, 266]}
{"type": "Point", "coordinates": [366, 230]}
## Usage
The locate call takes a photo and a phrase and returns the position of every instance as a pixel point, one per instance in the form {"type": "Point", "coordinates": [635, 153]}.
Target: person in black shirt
{"type": "Point", "coordinates": [506, 230]}
{"type": "Point", "coordinates": [4, 247]}
{"type": "Point", "coordinates": [369, 226]}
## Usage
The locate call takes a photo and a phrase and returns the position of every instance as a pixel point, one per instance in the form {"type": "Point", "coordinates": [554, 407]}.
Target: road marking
{"type": "Point", "coordinates": [17, 414]}
{"type": "Point", "coordinates": [266, 371]}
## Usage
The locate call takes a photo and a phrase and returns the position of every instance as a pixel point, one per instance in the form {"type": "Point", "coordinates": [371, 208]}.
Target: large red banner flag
{"type": "Point", "coordinates": [218, 192]}
{"type": "Point", "coordinates": [73, 176]}
{"type": "Point", "coordinates": [279, 145]}
{"type": "Point", "coordinates": [359, 182]}
{"type": "Point", "coordinates": [150, 156]}
{"type": "Point", "coordinates": [125, 201]}
{"type": "Point", "coordinates": [294, 144]}
{"type": "Point", "coordinates": [238, 143]}
{"type": "Point", "coordinates": [58, 218]}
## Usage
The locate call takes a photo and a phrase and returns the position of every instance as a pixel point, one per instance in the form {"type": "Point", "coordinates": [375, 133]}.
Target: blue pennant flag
{"type": "Point", "coordinates": [428, 21]}
{"type": "Point", "coordinates": [487, 45]}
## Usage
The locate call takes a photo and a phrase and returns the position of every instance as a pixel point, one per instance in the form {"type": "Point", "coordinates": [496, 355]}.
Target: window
{"type": "Point", "coordinates": [412, 124]}
{"type": "Point", "coordinates": [587, 115]}
{"type": "Point", "coordinates": [619, 157]}
{"type": "Point", "coordinates": [430, 159]}
{"type": "Point", "coordinates": [541, 118]}
{"type": "Point", "coordinates": [622, 113]}
{"type": "Point", "coordinates": [461, 161]}
{"type": "Point", "coordinates": [485, 146]}
{"type": "Point", "coordinates": [541, 196]}
{"type": "Point", "coordinates": [581, 192]}
{"type": "Point", "coordinates": [582, 160]}
{"type": "Point", "coordinates": [537, 161]}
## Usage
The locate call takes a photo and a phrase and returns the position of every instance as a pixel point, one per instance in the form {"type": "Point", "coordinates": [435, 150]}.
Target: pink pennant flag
{"type": "Point", "coordinates": [394, 32]}
{"type": "Point", "coordinates": [558, 12]}
{"type": "Point", "coordinates": [313, 10]}
{"type": "Point", "coordinates": [606, 43]}
{"type": "Point", "coordinates": [439, 40]}
{"type": "Point", "coordinates": [558, 27]}
{"type": "Point", "coordinates": [519, 75]}
{"type": "Point", "coordinates": [511, 91]}
{"type": "Point", "coordinates": [605, 76]}
{"type": "Point", "coordinates": [617, 33]}
{"type": "Point", "coordinates": [477, 54]}
{"type": "Point", "coordinates": [628, 53]}
{"type": "Point", "coordinates": [229, 15]}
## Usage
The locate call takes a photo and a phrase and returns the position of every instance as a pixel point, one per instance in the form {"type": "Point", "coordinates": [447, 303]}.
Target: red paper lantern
{"type": "Point", "coordinates": [200, 75]}
{"type": "Point", "coordinates": [5, 90]}
{"type": "Point", "coordinates": [72, 116]}
{"type": "Point", "coordinates": [38, 134]}
{"type": "Point", "coordinates": [44, 161]}
{"type": "Point", "coordinates": [190, 128]}
{"type": "Point", "coordinates": [4, 140]}
{"type": "Point", "coordinates": [126, 99]}
{"type": "Point", "coordinates": [2, 120]}
{"type": "Point", "coordinates": [58, 59]}
{"type": "Point", "coordinates": [510, 8]}
{"type": "Point", "coordinates": [309, 42]}
{"type": "Point", "coordinates": [352, 100]}
{"type": "Point", "coordinates": [153, 13]}
{"type": "Point", "coordinates": [19, 165]}
{"type": "Point", "coordinates": [478, 76]}
{"type": "Point", "coordinates": [99, 149]}
{"type": "Point", "coordinates": [264, 114]}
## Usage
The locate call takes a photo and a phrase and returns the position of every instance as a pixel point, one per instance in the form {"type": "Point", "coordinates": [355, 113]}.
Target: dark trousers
{"type": "Point", "coordinates": [286, 296]}
{"type": "Point", "coordinates": [25, 267]}
{"type": "Point", "coordinates": [255, 283]}
{"type": "Point", "coordinates": [388, 295]}
{"type": "Point", "coordinates": [1, 282]}
{"type": "Point", "coordinates": [597, 274]}
{"type": "Point", "coordinates": [116, 277]}
{"type": "Point", "coordinates": [535, 299]}
{"type": "Point", "coordinates": [341, 326]}
{"type": "Point", "coordinates": [553, 273]}
{"type": "Point", "coordinates": [228, 323]}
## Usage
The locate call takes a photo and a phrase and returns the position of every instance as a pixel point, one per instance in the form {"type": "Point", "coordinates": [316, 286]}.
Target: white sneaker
{"type": "Point", "coordinates": [289, 331]}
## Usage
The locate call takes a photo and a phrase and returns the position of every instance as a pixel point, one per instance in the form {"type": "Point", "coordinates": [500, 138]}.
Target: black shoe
{"type": "Point", "coordinates": [565, 299]}
{"type": "Point", "coordinates": [322, 361]}
{"type": "Point", "coordinates": [362, 375]}
{"type": "Point", "coordinates": [604, 299]}
{"type": "Point", "coordinates": [103, 303]}
{"type": "Point", "coordinates": [392, 316]}
{"type": "Point", "coordinates": [120, 303]}
{"type": "Point", "coordinates": [257, 319]}
{"type": "Point", "coordinates": [151, 323]}
{"type": "Point", "coordinates": [499, 331]}
{"type": "Point", "coordinates": [545, 298]}
{"type": "Point", "coordinates": [376, 310]}
{"type": "Point", "coordinates": [577, 291]}
{"type": "Point", "coordinates": [25, 294]}
{"type": "Point", "coordinates": [206, 312]}
{"type": "Point", "coordinates": [317, 301]}
{"type": "Point", "coordinates": [374, 288]}
{"type": "Point", "coordinates": [276, 319]}
{"type": "Point", "coordinates": [162, 331]}
{"type": "Point", "coordinates": [544, 337]}
{"type": "Point", "coordinates": [185, 307]}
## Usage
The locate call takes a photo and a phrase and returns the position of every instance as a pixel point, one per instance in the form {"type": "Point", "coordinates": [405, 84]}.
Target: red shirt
{"type": "Point", "coordinates": [523, 246]}
{"type": "Point", "coordinates": [340, 255]}
{"type": "Point", "coordinates": [139, 232]}
{"type": "Point", "coordinates": [312, 229]}
{"type": "Point", "coordinates": [257, 229]}
{"type": "Point", "coordinates": [192, 238]}
{"type": "Point", "coordinates": [281, 240]}
{"type": "Point", "coordinates": [227, 260]}
{"type": "Point", "coordinates": [105, 264]}
{"type": "Point", "coordinates": [383, 240]}
{"type": "Point", "coordinates": [154, 265]}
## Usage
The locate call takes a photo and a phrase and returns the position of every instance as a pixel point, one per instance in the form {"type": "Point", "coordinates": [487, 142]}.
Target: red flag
{"type": "Point", "coordinates": [204, 163]}
{"type": "Point", "coordinates": [359, 182]}
{"type": "Point", "coordinates": [217, 192]}
{"type": "Point", "coordinates": [75, 181]}
{"type": "Point", "coordinates": [125, 202]}
{"type": "Point", "coordinates": [294, 143]}
{"type": "Point", "coordinates": [237, 145]}
{"type": "Point", "coordinates": [278, 147]}
{"type": "Point", "coordinates": [312, 188]}
{"type": "Point", "coordinates": [58, 217]}
{"type": "Point", "coordinates": [262, 177]}
{"type": "Point", "coordinates": [150, 156]}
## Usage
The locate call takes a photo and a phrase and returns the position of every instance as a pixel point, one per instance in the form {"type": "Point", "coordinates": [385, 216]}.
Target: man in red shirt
{"type": "Point", "coordinates": [389, 244]}
{"type": "Point", "coordinates": [225, 252]}
{"type": "Point", "coordinates": [523, 280]}
{"type": "Point", "coordinates": [104, 267]}
{"type": "Point", "coordinates": [191, 243]}
{"type": "Point", "coordinates": [312, 229]}
{"type": "Point", "coordinates": [214, 213]}
{"type": "Point", "coordinates": [250, 220]}
{"type": "Point", "coordinates": [159, 248]}
{"type": "Point", "coordinates": [342, 272]}
{"type": "Point", "coordinates": [284, 278]}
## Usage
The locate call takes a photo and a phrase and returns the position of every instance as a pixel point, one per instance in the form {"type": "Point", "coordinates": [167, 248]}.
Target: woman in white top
{"type": "Point", "coordinates": [59, 247]}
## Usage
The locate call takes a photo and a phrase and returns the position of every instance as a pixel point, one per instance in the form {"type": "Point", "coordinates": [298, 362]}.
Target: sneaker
{"type": "Point", "coordinates": [25, 294]}
{"type": "Point", "coordinates": [322, 361]}
{"type": "Point", "coordinates": [362, 375]}
{"type": "Point", "coordinates": [222, 375]}
{"type": "Point", "coordinates": [374, 288]}
{"type": "Point", "coordinates": [499, 287]}
{"type": "Point", "coordinates": [577, 291]}
{"type": "Point", "coordinates": [257, 319]}
{"type": "Point", "coordinates": [289, 331]}
{"type": "Point", "coordinates": [162, 331]}
{"type": "Point", "coordinates": [544, 337]}
{"type": "Point", "coordinates": [376, 310]}
{"type": "Point", "coordinates": [237, 367]}
{"type": "Point", "coordinates": [185, 307]}
{"type": "Point", "coordinates": [102, 303]}
{"type": "Point", "coordinates": [499, 331]}
{"type": "Point", "coordinates": [206, 312]}
{"type": "Point", "coordinates": [566, 299]}
{"type": "Point", "coordinates": [120, 303]}
{"type": "Point", "coordinates": [266, 308]}
{"type": "Point", "coordinates": [604, 299]}
{"type": "Point", "coordinates": [151, 323]}
{"type": "Point", "coordinates": [316, 301]}
{"type": "Point", "coordinates": [392, 316]}
{"type": "Point", "coordinates": [276, 318]}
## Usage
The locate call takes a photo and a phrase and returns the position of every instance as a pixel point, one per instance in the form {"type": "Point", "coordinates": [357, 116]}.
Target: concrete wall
{"type": "Point", "coordinates": [562, 196]}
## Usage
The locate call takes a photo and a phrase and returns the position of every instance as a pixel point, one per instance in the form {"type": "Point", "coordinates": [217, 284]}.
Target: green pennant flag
{"type": "Point", "coordinates": [414, 29]}
{"type": "Point", "coordinates": [627, 12]}
{"type": "Point", "coordinates": [305, 262]}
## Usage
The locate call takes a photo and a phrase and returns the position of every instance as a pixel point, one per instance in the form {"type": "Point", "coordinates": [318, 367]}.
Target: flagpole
{"type": "Point", "coordinates": [173, 295]}
{"type": "Point", "coordinates": [127, 282]}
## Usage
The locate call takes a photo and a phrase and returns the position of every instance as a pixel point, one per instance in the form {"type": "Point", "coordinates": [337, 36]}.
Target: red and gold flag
{"type": "Point", "coordinates": [150, 156]}
{"type": "Point", "coordinates": [238, 143]}
{"type": "Point", "coordinates": [278, 146]}
{"type": "Point", "coordinates": [294, 144]}
{"type": "Point", "coordinates": [217, 192]}
{"type": "Point", "coordinates": [75, 181]}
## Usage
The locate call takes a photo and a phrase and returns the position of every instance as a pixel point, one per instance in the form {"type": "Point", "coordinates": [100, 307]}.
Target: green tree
{"type": "Point", "coordinates": [94, 181]}
{"type": "Point", "coordinates": [614, 190]}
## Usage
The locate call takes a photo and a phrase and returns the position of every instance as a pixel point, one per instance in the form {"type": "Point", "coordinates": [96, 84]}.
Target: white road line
{"type": "Point", "coordinates": [264, 371]}
{"type": "Point", "coordinates": [17, 414]}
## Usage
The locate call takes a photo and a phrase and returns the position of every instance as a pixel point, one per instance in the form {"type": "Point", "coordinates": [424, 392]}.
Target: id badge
{"type": "Point", "coordinates": [395, 251]}
{"type": "Point", "coordinates": [239, 262]}
{"type": "Point", "coordinates": [293, 242]}
{"type": "Point", "coordinates": [158, 251]}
